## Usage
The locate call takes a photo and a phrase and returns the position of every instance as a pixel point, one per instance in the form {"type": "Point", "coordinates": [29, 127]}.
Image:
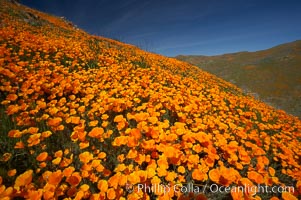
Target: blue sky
{"type": "Point", "coordinates": [187, 27]}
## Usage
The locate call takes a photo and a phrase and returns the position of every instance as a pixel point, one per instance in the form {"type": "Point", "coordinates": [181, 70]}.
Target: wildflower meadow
{"type": "Point", "coordinates": [86, 117]}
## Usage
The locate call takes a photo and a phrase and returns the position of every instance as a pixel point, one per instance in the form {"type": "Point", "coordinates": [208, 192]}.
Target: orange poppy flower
{"type": "Point", "coordinates": [15, 133]}
{"type": "Point", "coordinates": [288, 196]}
{"type": "Point", "coordinates": [46, 134]}
{"type": "Point", "coordinates": [119, 118]}
{"type": "Point", "coordinates": [65, 162]}
{"type": "Point", "coordinates": [136, 133]}
{"type": "Point", "coordinates": [237, 194]}
{"type": "Point", "coordinates": [194, 159]}
{"type": "Point", "coordinates": [85, 157]}
{"type": "Point", "coordinates": [170, 176]}
{"type": "Point", "coordinates": [81, 109]}
{"type": "Point", "coordinates": [12, 109]}
{"type": "Point", "coordinates": [81, 135]}
{"type": "Point", "coordinates": [84, 173]}
{"type": "Point", "coordinates": [114, 180]}
{"type": "Point", "coordinates": [96, 132]}
{"type": "Point", "coordinates": [72, 97]}
{"type": "Point", "coordinates": [95, 163]}
{"type": "Point", "coordinates": [12, 97]}
{"type": "Point", "coordinates": [122, 180]}
{"type": "Point", "coordinates": [102, 155]}
{"type": "Point", "coordinates": [12, 172]}
{"type": "Point", "coordinates": [68, 171]}
{"type": "Point", "coordinates": [197, 148]}
{"type": "Point", "coordinates": [93, 123]}
{"type": "Point", "coordinates": [74, 179]}
{"type": "Point", "coordinates": [34, 139]}
{"type": "Point", "coordinates": [121, 125]}
{"type": "Point", "coordinates": [245, 181]}
{"type": "Point", "coordinates": [151, 172]}
{"type": "Point", "coordinates": [42, 156]}
{"type": "Point", "coordinates": [153, 120]}
{"type": "Point", "coordinates": [56, 161]}
{"type": "Point", "coordinates": [140, 158]}
{"type": "Point", "coordinates": [33, 130]}
{"type": "Point", "coordinates": [74, 120]}
{"type": "Point", "coordinates": [102, 185]}
{"type": "Point", "coordinates": [121, 158]}
{"type": "Point", "coordinates": [256, 177]}
{"type": "Point", "coordinates": [35, 195]}
{"type": "Point", "coordinates": [79, 195]}
{"type": "Point", "coordinates": [84, 187]}
{"type": "Point", "coordinates": [24, 179]}
{"type": "Point", "coordinates": [83, 145]}
{"type": "Point", "coordinates": [181, 169]}
{"type": "Point", "coordinates": [155, 180]}
{"type": "Point", "coordinates": [104, 117]}
{"type": "Point", "coordinates": [141, 117]}
{"type": "Point", "coordinates": [298, 186]}
{"type": "Point", "coordinates": [272, 171]}
{"type": "Point", "coordinates": [66, 151]}
{"type": "Point", "coordinates": [199, 175]}
{"type": "Point", "coordinates": [58, 153]}
{"type": "Point", "coordinates": [121, 140]}
{"type": "Point", "coordinates": [134, 178]}
{"type": "Point", "coordinates": [132, 154]}
{"type": "Point", "coordinates": [54, 122]}
{"type": "Point", "coordinates": [100, 168]}
{"type": "Point", "coordinates": [224, 176]}
{"type": "Point", "coordinates": [111, 193]}
{"type": "Point", "coordinates": [43, 164]}
{"type": "Point", "coordinates": [59, 128]}
{"type": "Point", "coordinates": [72, 192]}
{"type": "Point", "coordinates": [161, 171]}
{"type": "Point", "coordinates": [132, 142]}
{"type": "Point", "coordinates": [55, 177]}
{"type": "Point", "coordinates": [106, 172]}
{"type": "Point", "coordinates": [19, 145]}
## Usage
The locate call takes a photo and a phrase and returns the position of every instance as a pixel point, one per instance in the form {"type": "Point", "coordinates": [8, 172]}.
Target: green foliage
{"type": "Point", "coordinates": [141, 63]}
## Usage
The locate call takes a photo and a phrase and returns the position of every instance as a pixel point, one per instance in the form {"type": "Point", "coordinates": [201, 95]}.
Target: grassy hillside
{"type": "Point", "coordinates": [273, 75]}
{"type": "Point", "coordinates": [85, 117]}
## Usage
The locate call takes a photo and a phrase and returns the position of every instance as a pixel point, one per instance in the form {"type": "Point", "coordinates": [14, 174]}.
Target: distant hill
{"type": "Point", "coordinates": [273, 75]}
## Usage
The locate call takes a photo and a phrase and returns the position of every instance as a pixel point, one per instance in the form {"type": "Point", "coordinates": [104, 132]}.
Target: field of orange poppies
{"type": "Point", "coordinates": [85, 117]}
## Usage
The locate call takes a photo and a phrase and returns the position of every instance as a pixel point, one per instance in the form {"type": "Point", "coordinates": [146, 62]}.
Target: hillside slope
{"type": "Point", "coordinates": [273, 75]}
{"type": "Point", "coordinates": [85, 117]}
